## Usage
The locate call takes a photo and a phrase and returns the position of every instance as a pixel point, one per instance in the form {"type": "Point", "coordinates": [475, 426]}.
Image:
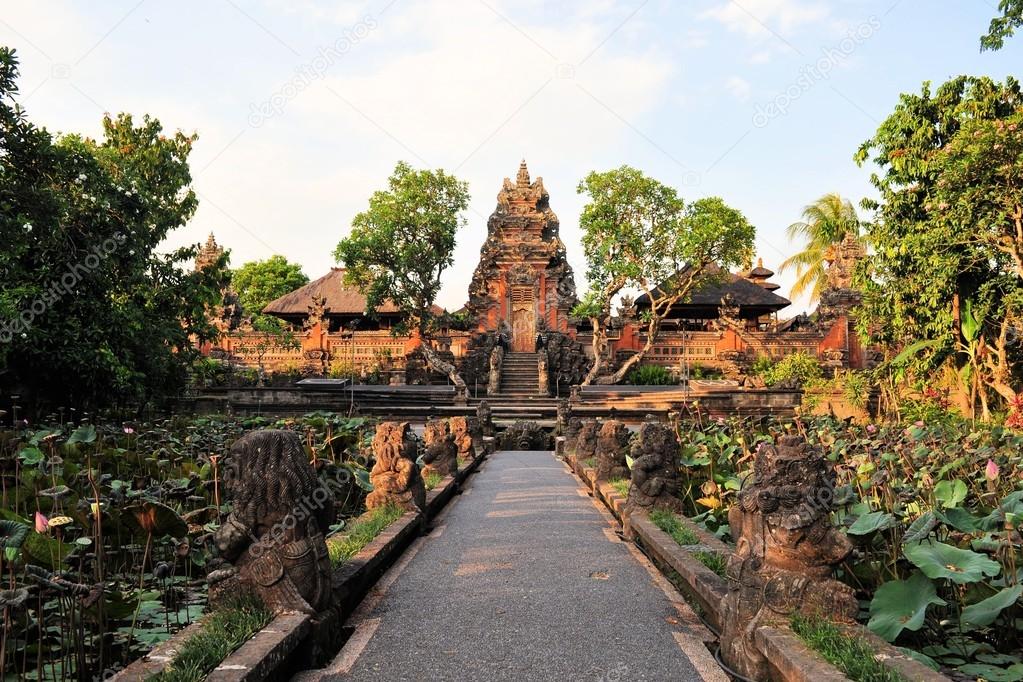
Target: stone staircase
{"type": "Point", "coordinates": [519, 375]}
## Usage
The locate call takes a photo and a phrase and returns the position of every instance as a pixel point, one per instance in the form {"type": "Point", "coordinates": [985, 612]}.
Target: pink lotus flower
{"type": "Point", "coordinates": [128, 430]}
{"type": "Point", "coordinates": [991, 471]}
{"type": "Point", "coordinates": [42, 523]}
{"type": "Point", "coordinates": [920, 423]}
{"type": "Point", "coordinates": [871, 428]}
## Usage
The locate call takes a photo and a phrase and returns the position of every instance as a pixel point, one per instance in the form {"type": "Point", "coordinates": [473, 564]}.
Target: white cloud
{"type": "Point", "coordinates": [738, 87]}
{"type": "Point", "coordinates": [755, 18]}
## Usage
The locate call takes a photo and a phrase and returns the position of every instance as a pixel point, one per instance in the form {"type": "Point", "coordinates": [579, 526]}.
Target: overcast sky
{"type": "Point", "coordinates": [302, 107]}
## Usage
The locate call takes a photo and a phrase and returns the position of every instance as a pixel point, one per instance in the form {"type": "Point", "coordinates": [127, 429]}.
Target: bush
{"type": "Point", "coordinates": [651, 375]}
{"type": "Point", "coordinates": [761, 366]}
{"type": "Point", "coordinates": [698, 371]}
{"type": "Point", "coordinates": [799, 368]}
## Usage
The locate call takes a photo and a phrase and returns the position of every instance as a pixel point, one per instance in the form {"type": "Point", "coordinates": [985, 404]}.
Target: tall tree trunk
{"type": "Point", "coordinates": [651, 337]}
{"type": "Point", "coordinates": [599, 348]}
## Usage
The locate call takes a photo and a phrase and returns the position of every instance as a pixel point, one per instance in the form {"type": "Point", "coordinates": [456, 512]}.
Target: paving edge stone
{"type": "Point", "coordinates": [261, 656]}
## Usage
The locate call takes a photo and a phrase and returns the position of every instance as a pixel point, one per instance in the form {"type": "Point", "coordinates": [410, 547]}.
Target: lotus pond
{"type": "Point", "coordinates": [106, 531]}
{"type": "Point", "coordinates": [934, 509]}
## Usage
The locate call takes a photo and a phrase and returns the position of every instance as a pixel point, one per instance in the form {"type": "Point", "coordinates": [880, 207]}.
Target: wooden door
{"type": "Point", "coordinates": [523, 320]}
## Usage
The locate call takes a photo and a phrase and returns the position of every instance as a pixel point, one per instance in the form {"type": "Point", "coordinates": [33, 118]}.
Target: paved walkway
{"type": "Point", "coordinates": [523, 578]}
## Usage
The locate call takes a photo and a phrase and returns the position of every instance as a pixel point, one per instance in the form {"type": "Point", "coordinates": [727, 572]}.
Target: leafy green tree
{"type": "Point", "coordinates": [947, 273]}
{"type": "Point", "coordinates": [638, 233]}
{"type": "Point", "coordinates": [259, 282]}
{"type": "Point", "coordinates": [825, 224]}
{"type": "Point", "coordinates": [90, 313]}
{"type": "Point", "coordinates": [400, 246]}
{"type": "Point", "coordinates": [1003, 26]}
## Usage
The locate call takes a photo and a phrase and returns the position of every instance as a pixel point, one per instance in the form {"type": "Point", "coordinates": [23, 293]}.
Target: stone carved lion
{"type": "Point", "coordinates": [441, 456]}
{"type": "Point", "coordinates": [395, 475]}
{"type": "Point", "coordinates": [274, 535]}
{"type": "Point", "coordinates": [655, 469]}
{"type": "Point", "coordinates": [612, 447]}
{"type": "Point", "coordinates": [786, 549]}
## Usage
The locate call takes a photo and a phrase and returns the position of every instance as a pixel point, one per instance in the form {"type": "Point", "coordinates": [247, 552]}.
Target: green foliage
{"type": "Point", "coordinates": [432, 480]}
{"type": "Point", "coordinates": [257, 283]}
{"type": "Point", "coordinates": [826, 222]}
{"type": "Point", "coordinates": [715, 561]}
{"type": "Point", "coordinates": [651, 375]}
{"type": "Point", "coordinates": [223, 631]}
{"type": "Point", "coordinates": [399, 247]}
{"type": "Point", "coordinates": [670, 524]}
{"type": "Point", "coordinates": [360, 532]}
{"type": "Point", "coordinates": [92, 312]}
{"type": "Point", "coordinates": [1004, 25]}
{"type": "Point", "coordinates": [901, 605]}
{"type": "Point", "coordinates": [852, 655]}
{"type": "Point", "coordinates": [799, 368]}
{"type": "Point", "coordinates": [947, 262]}
{"type": "Point", "coordinates": [621, 486]}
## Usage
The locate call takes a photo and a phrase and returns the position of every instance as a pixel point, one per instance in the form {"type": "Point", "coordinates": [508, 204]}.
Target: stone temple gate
{"type": "Point", "coordinates": [523, 277]}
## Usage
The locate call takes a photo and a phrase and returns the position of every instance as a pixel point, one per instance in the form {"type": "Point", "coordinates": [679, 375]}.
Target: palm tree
{"type": "Point", "coordinates": [826, 222]}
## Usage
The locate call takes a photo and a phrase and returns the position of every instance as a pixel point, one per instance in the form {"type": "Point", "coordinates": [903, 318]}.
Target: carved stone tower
{"type": "Point", "coordinates": [523, 277]}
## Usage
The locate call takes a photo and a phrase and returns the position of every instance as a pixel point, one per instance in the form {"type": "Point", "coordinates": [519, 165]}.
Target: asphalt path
{"type": "Point", "coordinates": [523, 578]}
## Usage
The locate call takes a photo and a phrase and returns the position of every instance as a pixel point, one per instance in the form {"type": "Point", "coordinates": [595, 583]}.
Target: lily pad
{"type": "Point", "coordinates": [1013, 673]}
{"type": "Point", "coordinates": [901, 605]}
{"type": "Point", "coordinates": [871, 523]}
{"type": "Point", "coordinates": [984, 612]}
{"type": "Point", "coordinates": [950, 493]}
{"type": "Point", "coordinates": [920, 528]}
{"type": "Point", "coordinates": [962, 566]}
{"type": "Point", "coordinates": [157, 519]}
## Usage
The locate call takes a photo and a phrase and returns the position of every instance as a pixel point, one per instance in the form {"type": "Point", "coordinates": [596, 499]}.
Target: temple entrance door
{"type": "Point", "coordinates": [523, 320]}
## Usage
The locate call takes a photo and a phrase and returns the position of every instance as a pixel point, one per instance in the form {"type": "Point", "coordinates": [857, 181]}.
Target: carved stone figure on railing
{"type": "Point", "coordinates": [568, 424]}
{"type": "Point", "coordinates": [785, 551]}
{"type": "Point", "coordinates": [543, 373]}
{"type": "Point", "coordinates": [494, 380]}
{"type": "Point", "coordinates": [465, 441]}
{"type": "Point", "coordinates": [441, 453]}
{"type": "Point", "coordinates": [485, 419]}
{"type": "Point", "coordinates": [525, 435]}
{"type": "Point", "coordinates": [655, 469]}
{"type": "Point", "coordinates": [586, 440]}
{"type": "Point", "coordinates": [612, 447]}
{"type": "Point", "coordinates": [395, 475]}
{"type": "Point", "coordinates": [274, 536]}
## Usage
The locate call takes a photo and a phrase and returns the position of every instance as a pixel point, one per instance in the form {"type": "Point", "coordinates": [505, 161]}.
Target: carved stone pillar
{"type": "Point", "coordinates": [494, 380]}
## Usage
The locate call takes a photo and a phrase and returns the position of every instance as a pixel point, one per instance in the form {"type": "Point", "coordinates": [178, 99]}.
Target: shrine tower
{"type": "Point", "coordinates": [523, 276]}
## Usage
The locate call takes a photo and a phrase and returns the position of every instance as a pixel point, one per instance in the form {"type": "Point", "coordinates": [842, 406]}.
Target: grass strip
{"type": "Point", "coordinates": [223, 631]}
{"type": "Point", "coordinates": [852, 655]}
{"type": "Point", "coordinates": [670, 524]}
{"type": "Point", "coordinates": [621, 486]}
{"type": "Point", "coordinates": [360, 532]}
{"type": "Point", "coordinates": [432, 480]}
{"type": "Point", "coordinates": [714, 561]}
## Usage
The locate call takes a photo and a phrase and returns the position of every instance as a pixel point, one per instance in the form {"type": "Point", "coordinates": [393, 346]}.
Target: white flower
{"type": "Point", "coordinates": [28, 227]}
{"type": "Point", "coordinates": [81, 177]}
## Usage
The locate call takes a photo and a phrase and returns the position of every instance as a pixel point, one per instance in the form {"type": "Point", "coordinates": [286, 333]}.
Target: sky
{"type": "Point", "coordinates": [303, 107]}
